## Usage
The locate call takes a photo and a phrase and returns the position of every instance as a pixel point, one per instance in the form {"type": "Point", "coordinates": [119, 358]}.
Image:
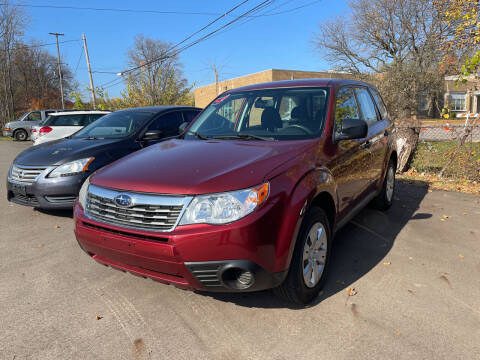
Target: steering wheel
{"type": "Point", "coordinates": [301, 127]}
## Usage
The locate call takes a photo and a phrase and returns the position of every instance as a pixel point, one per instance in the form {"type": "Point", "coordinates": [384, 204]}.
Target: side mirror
{"type": "Point", "coordinates": [352, 129]}
{"type": "Point", "coordinates": [182, 127]}
{"type": "Point", "coordinates": [153, 135]}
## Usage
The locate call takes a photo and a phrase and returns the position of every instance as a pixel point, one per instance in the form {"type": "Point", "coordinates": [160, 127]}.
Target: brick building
{"type": "Point", "coordinates": [464, 97]}
{"type": "Point", "coordinates": [461, 98]}
{"type": "Point", "coordinates": [205, 94]}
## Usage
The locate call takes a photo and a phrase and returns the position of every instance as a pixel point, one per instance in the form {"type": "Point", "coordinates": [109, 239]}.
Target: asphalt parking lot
{"type": "Point", "coordinates": [415, 271]}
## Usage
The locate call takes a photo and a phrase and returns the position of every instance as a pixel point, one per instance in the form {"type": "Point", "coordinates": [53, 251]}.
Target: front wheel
{"type": "Point", "coordinates": [20, 135]}
{"type": "Point", "coordinates": [308, 268]}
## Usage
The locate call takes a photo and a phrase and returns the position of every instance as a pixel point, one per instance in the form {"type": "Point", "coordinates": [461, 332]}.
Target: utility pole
{"type": "Point", "coordinates": [89, 71]}
{"type": "Point", "coordinates": [59, 68]}
{"type": "Point", "coordinates": [216, 78]}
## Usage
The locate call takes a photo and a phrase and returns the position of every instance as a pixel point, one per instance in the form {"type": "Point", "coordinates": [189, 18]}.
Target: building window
{"type": "Point", "coordinates": [457, 101]}
{"type": "Point", "coordinates": [423, 101]}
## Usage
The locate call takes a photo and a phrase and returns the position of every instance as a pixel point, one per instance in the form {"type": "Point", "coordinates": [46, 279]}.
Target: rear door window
{"type": "Point", "coordinates": [380, 104]}
{"type": "Point", "coordinates": [168, 124]}
{"type": "Point", "coordinates": [366, 105]}
{"type": "Point", "coordinates": [188, 116]}
{"type": "Point", "coordinates": [92, 117]}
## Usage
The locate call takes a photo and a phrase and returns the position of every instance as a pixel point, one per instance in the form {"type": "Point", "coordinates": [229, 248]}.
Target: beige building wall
{"type": "Point", "coordinates": [205, 94]}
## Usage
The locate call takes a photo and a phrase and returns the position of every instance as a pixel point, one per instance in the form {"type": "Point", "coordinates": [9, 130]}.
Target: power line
{"type": "Point", "coordinates": [185, 47]}
{"type": "Point", "coordinates": [78, 62]}
{"type": "Point", "coordinates": [113, 9]}
{"type": "Point", "coordinates": [146, 11]}
{"type": "Point", "coordinates": [184, 40]}
{"type": "Point", "coordinates": [38, 45]}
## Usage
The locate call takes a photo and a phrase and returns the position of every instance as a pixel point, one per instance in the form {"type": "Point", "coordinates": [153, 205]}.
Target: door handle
{"type": "Point", "coordinates": [385, 133]}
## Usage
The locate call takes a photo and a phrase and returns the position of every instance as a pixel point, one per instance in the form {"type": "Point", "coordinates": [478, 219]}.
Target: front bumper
{"type": "Point", "coordinates": [193, 257]}
{"type": "Point", "coordinates": [46, 193]}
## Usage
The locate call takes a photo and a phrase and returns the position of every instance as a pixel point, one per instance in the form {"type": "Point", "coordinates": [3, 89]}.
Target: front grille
{"type": "Point", "coordinates": [149, 212]}
{"type": "Point", "coordinates": [25, 175]}
{"type": "Point", "coordinates": [206, 274]}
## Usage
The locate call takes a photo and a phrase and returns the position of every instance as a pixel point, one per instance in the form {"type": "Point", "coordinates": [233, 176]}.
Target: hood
{"type": "Point", "coordinates": [198, 167]}
{"type": "Point", "coordinates": [61, 151]}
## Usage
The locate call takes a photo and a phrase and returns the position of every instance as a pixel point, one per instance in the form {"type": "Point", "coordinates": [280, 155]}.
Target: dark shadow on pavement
{"type": "Point", "coordinates": [358, 247]}
{"type": "Point", "coordinates": [66, 213]}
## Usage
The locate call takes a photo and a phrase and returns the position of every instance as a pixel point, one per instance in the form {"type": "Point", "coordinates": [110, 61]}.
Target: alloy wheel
{"type": "Point", "coordinates": [314, 255]}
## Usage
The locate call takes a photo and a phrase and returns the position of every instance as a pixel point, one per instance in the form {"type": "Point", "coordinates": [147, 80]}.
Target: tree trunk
{"type": "Point", "coordinates": [406, 139]}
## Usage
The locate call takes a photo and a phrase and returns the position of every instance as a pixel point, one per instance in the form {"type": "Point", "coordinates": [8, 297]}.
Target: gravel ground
{"type": "Point", "coordinates": [415, 270]}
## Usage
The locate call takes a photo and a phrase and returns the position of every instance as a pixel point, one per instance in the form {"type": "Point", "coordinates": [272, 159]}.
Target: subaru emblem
{"type": "Point", "coordinates": [123, 200]}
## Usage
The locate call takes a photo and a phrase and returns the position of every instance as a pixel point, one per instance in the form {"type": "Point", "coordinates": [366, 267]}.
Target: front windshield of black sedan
{"type": "Point", "coordinates": [268, 114]}
{"type": "Point", "coordinates": [119, 124]}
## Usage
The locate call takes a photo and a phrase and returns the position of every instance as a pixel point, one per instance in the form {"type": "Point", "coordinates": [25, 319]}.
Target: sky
{"type": "Point", "coordinates": [282, 41]}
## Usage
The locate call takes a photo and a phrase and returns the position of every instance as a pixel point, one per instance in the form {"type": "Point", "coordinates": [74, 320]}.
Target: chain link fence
{"type": "Point", "coordinates": [437, 143]}
{"type": "Point", "coordinates": [446, 132]}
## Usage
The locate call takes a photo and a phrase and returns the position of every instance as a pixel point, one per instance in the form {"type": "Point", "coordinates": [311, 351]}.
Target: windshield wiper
{"type": "Point", "coordinates": [200, 136]}
{"type": "Point", "coordinates": [243, 136]}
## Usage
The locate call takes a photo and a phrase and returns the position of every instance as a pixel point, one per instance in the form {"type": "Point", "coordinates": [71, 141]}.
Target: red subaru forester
{"type": "Point", "coordinates": [250, 196]}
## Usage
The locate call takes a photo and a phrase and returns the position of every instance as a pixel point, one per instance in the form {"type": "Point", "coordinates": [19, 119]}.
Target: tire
{"type": "Point", "coordinates": [385, 198]}
{"type": "Point", "coordinates": [20, 135]}
{"type": "Point", "coordinates": [294, 288]}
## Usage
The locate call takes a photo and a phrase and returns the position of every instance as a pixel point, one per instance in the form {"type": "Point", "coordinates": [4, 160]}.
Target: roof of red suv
{"type": "Point", "coordinates": [299, 83]}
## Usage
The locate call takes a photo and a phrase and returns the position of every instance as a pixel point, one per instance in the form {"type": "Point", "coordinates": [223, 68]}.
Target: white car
{"type": "Point", "coordinates": [63, 124]}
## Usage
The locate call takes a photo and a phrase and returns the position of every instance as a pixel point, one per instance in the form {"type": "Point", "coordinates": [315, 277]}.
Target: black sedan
{"type": "Point", "coordinates": [50, 175]}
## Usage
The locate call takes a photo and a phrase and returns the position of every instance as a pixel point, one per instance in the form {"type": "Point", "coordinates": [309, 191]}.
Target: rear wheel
{"type": "Point", "coordinates": [308, 268]}
{"type": "Point", "coordinates": [20, 135]}
{"type": "Point", "coordinates": [385, 198]}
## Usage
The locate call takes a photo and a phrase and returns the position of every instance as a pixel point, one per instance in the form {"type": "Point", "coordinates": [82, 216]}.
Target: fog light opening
{"type": "Point", "coordinates": [236, 278]}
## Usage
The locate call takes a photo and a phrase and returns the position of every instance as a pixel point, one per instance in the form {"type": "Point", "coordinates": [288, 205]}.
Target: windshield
{"type": "Point", "coordinates": [119, 124]}
{"type": "Point", "coordinates": [271, 114]}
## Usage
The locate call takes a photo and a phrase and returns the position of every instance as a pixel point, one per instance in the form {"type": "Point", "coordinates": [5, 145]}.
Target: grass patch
{"type": "Point", "coordinates": [462, 175]}
{"type": "Point", "coordinates": [6, 138]}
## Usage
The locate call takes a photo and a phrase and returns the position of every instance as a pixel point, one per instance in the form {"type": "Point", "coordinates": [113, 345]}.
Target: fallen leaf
{"type": "Point", "coordinates": [446, 216]}
{"type": "Point", "coordinates": [40, 246]}
{"type": "Point", "coordinates": [465, 213]}
{"type": "Point", "coordinates": [387, 263]}
{"type": "Point", "coordinates": [461, 256]}
{"type": "Point", "coordinates": [57, 226]}
{"type": "Point", "coordinates": [442, 219]}
{"type": "Point", "coordinates": [351, 291]}
{"type": "Point", "coordinates": [398, 332]}
{"type": "Point", "coordinates": [98, 317]}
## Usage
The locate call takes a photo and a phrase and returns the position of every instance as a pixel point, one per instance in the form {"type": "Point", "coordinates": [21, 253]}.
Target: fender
{"type": "Point", "coordinates": [314, 182]}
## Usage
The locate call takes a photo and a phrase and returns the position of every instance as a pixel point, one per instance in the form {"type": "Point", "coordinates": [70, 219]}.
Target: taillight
{"type": "Point", "coordinates": [45, 130]}
{"type": "Point", "coordinates": [33, 130]}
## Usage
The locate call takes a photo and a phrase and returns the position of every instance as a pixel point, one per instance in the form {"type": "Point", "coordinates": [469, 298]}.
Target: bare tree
{"type": "Point", "coordinates": [395, 42]}
{"type": "Point", "coordinates": [160, 82]}
{"type": "Point", "coordinates": [12, 24]}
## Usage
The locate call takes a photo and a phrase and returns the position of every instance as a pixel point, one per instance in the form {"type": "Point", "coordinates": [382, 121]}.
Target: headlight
{"type": "Point", "coordinates": [82, 195]}
{"type": "Point", "coordinates": [71, 168]}
{"type": "Point", "coordinates": [223, 208]}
